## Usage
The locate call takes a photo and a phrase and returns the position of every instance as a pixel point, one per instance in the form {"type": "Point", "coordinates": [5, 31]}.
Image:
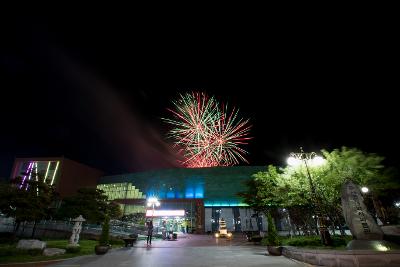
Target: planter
{"type": "Point", "coordinates": [100, 250]}
{"type": "Point", "coordinates": [274, 250]}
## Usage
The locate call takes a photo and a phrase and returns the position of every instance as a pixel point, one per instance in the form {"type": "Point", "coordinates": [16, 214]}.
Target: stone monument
{"type": "Point", "coordinates": [76, 230]}
{"type": "Point", "coordinates": [362, 226]}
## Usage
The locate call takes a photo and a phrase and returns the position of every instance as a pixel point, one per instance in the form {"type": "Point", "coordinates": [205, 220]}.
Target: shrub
{"type": "Point", "coordinates": [315, 241]}
{"type": "Point", "coordinates": [117, 242]}
{"type": "Point", "coordinates": [264, 241]}
{"type": "Point", "coordinates": [272, 237]}
{"type": "Point", "coordinates": [303, 241]}
{"type": "Point", "coordinates": [339, 241]}
{"type": "Point", "coordinates": [73, 249]}
{"type": "Point", "coordinates": [105, 230]}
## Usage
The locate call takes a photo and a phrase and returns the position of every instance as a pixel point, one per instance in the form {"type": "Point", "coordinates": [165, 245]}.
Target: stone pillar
{"type": "Point", "coordinates": [360, 222]}
{"type": "Point", "coordinates": [362, 226]}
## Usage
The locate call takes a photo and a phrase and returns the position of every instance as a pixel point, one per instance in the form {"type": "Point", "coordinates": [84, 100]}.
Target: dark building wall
{"type": "Point", "coordinates": [75, 175]}
{"type": "Point", "coordinates": [18, 161]}
{"type": "Point", "coordinates": [71, 175]}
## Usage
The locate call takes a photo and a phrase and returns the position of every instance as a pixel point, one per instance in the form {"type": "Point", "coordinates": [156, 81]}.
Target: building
{"type": "Point", "coordinates": [191, 198]}
{"type": "Point", "coordinates": [66, 175]}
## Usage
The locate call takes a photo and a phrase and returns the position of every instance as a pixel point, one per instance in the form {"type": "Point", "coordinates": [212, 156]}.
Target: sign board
{"type": "Point", "coordinates": [165, 213]}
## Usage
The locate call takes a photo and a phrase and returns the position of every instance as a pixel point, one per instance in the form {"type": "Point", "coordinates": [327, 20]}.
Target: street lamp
{"type": "Point", "coordinates": [152, 202]}
{"type": "Point", "coordinates": [313, 160]}
{"type": "Point", "coordinates": [364, 189]}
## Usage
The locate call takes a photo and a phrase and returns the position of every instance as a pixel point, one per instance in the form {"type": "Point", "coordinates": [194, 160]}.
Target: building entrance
{"type": "Point", "coordinates": [178, 224]}
{"type": "Point", "coordinates": [170, 220]}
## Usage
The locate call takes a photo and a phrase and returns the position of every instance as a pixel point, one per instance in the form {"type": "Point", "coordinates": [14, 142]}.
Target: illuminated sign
{"type": "Point", "coordinates": [224, 203]}
{"type": "Point", "coordinates": [166, 213]}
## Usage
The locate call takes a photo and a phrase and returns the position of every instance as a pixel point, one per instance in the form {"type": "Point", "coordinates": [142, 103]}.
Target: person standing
{"type": "Point", "coordinates": [149, 231]}
{"type": "Point", "coordinates": [183, 226]}
{"type": "Point", "coordinates": [164, 230]}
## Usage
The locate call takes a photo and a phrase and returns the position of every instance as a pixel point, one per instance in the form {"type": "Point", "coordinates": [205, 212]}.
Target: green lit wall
{"type": "Point", "coordinates": [121, 191]}
{"type": "Point", "coordinates": [217, 186]}
{"type": "Point", "coordinates": [128, 209]}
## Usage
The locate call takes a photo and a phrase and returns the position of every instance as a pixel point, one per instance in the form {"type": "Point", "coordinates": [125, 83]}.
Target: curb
{"type": "Point", "coordinates": [32, 264]}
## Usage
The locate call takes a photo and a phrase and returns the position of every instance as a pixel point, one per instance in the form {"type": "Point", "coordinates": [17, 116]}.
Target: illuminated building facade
{"type": "Point", "coordinates": [191, 198]}
{"type": "Point", "coordinates": [204, 194]}
{"type": "Point", "coordinates": [66, 175]}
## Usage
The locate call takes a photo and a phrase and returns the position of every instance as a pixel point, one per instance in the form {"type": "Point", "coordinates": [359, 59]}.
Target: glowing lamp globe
{"type": "Point", "coordinates": [317, 161]}
{"type": "Point", "coordinates": [292, 161]}
{"type": "Point", "coordinates": [364, 189]}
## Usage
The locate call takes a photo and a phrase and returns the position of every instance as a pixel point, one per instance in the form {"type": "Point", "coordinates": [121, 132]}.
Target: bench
{"type": "Point", "coordinates": [254, 238]}
{"type": "Point", "coordinates": [129, 241]}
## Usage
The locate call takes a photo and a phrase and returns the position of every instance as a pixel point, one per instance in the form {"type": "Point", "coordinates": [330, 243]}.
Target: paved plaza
{"type": "Point", "coordinates": [187, 251]}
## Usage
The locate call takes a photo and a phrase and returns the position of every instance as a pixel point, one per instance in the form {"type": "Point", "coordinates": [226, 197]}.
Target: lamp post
{"type": "Point", "coordinates": [296, 159]}
{"type": "Point", "coordinates": [152, 202]}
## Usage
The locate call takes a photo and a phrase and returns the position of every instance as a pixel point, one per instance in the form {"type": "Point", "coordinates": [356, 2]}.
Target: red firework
{"type": "Point", "coordinates": [207, 134]}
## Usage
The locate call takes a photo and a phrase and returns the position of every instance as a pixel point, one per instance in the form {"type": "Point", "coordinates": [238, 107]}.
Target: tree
{"type": "Point", "coordinates": [262, 201]}
{"type": "Point", "coordinates": [289, 187]}
{"type": "Point", "coordinates": [364, 169]}
{"type": "Point", "coordinates": [272, 237]}
{"type": "Point", "coordinates": [91, 203]}
{"type": "Point", "coordinates": [114, 210]}
{"type": "Point", "coordinates": [135, 218]}
{"type": "Point", "coordinates": [105, 231]}
{"type": "Point", "coordinates": [30, 201]}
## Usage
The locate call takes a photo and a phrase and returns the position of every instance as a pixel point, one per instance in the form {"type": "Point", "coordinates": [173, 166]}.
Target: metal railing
{"type": "Point", "coordinates": [48, 226]}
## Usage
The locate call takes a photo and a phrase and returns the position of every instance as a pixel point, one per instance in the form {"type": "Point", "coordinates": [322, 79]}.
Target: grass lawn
{"type": "Point", "coordinates": [9, 253]}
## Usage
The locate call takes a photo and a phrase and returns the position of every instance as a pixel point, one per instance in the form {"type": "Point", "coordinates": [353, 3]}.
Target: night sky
{"type": "Point", "coordinates": [94, 89]}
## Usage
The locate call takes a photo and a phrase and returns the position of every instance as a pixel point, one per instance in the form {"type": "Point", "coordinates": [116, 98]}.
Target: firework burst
{"type": "Point", "coordinates": [206, 133]}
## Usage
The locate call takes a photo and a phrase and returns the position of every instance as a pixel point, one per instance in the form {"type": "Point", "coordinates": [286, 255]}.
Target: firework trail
{"type": "Point", "coordinates": [206, 133]}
